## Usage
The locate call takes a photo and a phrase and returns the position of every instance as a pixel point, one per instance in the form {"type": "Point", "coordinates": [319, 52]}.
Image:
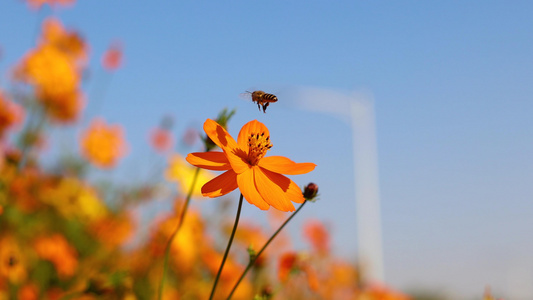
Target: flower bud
{"type": "Point", "coordinates": [310, 191]}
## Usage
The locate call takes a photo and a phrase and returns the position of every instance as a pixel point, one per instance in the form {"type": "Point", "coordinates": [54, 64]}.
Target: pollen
{"type": "Point", "coordinates": [258, 144]}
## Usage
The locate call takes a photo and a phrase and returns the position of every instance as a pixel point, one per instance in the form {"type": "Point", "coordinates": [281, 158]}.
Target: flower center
{"type": "Point", "coordinates": [258, 144]}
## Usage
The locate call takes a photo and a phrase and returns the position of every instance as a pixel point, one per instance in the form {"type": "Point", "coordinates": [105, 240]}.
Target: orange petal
{"type": "Point", "coordinates": [273, 187]}
{"type": "Point", "coordinates": [209, 160]}
{"type": "Point", "coordinates": [220, 185]}
{"type": "Point", "coordinates": [249, 128]}
{"type": "Point", "coordinates": [294, 193]}
{"type": "Point", "coordinates": [283, 165]}
{"type": "Point", "coordinates": [249, 191]}
{"type": "Point", "coordinates": [219, 135]}
{"type": "Point", "coordinates": [238, 160]}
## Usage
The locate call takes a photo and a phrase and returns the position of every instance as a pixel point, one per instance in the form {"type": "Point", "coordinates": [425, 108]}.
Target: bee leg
{"type": "Point", "coordinates": [265, 107]}
{"type": "Point", "coordinates": [259, 106]}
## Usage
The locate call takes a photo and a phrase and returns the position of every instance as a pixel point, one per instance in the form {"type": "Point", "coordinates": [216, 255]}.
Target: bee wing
{"type": "Point", "coordinates": [246, 95]}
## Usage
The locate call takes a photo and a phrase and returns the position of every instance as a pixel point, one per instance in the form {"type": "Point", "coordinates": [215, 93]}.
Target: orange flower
{"type": "Point", "coordinates": [291, 262]}
{"type": "Point", "coordinates": [103, 145]}
{"type": "Point", "coordinates": [161, 139]}
{"type": "Point", "coordinates": [113, 230]}
{"type": "Point", "coordinates": [56, 81]}
{"type": "Point", "coordinates": [36, 4]}
{"type": "Point", "coordinates": [67, 41]}
{"type": "Point", "coordinates": [112, 57]}
{"type": "Point", "coordinates": [28, 292]}
{"type": "Point", "coordinates": [379, 291]}
{"type": "Point", "coordinates": [10, 114]}
{"type": "Point", "coordinates": [317, 234]}
{"type": "Point", "coordinates": [56, 249]}
{"type": "Point", "coordinates": [258, 178]}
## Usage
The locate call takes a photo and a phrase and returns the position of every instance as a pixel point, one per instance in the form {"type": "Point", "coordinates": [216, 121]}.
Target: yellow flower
{"type": "Point", "coordinates": [259, 178]}
{"type": "Point", "coordinates": [182, 173]}
{"type": "Point", "coordinates": [72, 198]}
{"type": "Point", "coordinates": [12, 263]}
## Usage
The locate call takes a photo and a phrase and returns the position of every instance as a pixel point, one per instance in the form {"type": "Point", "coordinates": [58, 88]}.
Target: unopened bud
{"type": "Point", "coordinates": [310, 191]}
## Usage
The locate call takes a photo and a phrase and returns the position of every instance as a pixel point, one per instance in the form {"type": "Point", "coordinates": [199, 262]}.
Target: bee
{"type": "Point", "coordinates": [262, 99]}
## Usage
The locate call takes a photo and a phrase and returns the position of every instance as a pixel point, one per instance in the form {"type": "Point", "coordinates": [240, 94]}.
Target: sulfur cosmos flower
{"type": "Point", "coordinates": [259, 178]}
{"type": "Point", "coordinates": [103, 144]}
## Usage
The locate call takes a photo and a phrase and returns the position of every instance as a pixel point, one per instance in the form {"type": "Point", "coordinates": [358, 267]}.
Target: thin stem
{"type": "Point", "coordinates": [227, 248]}
{"type": "Point", "coordinates": [31, 132]}
{"type": "Point", "coordinates": [252, 261]}
{"type": "Point", "coordinates": [171, 239]}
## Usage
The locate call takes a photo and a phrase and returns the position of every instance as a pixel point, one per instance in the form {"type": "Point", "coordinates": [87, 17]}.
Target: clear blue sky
{"type": "Point", "coordinates": [453, 88]}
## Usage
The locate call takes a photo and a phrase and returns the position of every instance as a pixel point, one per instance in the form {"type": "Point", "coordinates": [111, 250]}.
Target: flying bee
{"type": "Point", "coordinates": [262, 99]}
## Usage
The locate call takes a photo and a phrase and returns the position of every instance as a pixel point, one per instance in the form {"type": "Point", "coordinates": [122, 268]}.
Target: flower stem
{"type": "Point", "coordinates": [252, 261]}
{"type": "Point", "coordinates": [31, 133]}
{"type": "Point", "coordinates": [227, 248]}
{"type": "Point", "coordinates": [171, 239]}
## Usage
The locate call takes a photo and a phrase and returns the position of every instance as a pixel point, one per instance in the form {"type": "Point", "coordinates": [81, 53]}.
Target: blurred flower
{"type": "Point", "coordinates": [487, 295]}
{"type": "Point", "coordinates": [28, 292]}
{"type": "Point", "coordinates": [191, 136]}
{"type": "Point", "coordinates": [73, 199]}
{"type": "Point", "coordinates": [186, 246]}
{"type": "Point", "coordinates": [36, 4]}
{"type": "Point", "coordinates": [381, 292]}
{"type": "Point", "coordinates": [25, 189]}
{"type": "Point", "coordinates": [113, 230]}
{"type": "Point", "coordinates": [251, 235]}
{"type": "Point", "coordinates": [181, 172]}
{"type": "Point", "coordinates": [57, 250]}
{"type": "Point", "coordinates": [68, 42]}
{"type": "Point", "coordinates": [112, 58]}
{"type": "Point", "coordinates": [56, 81]}
{"type": "Point", "coordinates": [12, 263]}
{"type": "Point", "coordinates": [161, 139]}
{"type": "Point", "coordinates": [229, 276]}
{"type": "Point", "coordinates": [11, 114]}
{"type": "Point", "coordinates": [292, 263]}
{"type": "Point", "coordinates": [317, 234]}
{"type": "Point", "coordinates": [102, 144]}
{"type": "Point", "coordinates": [259, 179]}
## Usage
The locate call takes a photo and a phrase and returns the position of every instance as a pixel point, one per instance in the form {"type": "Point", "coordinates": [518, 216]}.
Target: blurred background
{"type": "Point", "coordinates": [451, 86]}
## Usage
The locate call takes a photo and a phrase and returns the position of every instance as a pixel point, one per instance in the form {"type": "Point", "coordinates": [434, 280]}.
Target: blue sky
{"type": "Point", "coordinates": [452, 86]}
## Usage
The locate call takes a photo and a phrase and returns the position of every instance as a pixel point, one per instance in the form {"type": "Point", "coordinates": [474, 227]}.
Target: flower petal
{"type": "Point", "coordinates": [209, 160]}
{"type": "Point", "coordinates": [220, 185]}
{"type": "Point", "coordinates": [249, 128]}
{"type": "Point", "coordinates": [273, 188]}
{"type": "Point", "coordinates": [294, 193]}
{"type": "Point", "coordinates": [248, 189]}
{"type": "Point", "coordinates": [219, 135]}
{"type": "Point", "coordinates": [283, 165]}
{"type": "Point", "coordinates": [238, 160]}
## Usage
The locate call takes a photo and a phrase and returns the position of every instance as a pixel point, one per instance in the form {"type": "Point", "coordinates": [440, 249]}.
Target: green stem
{"type": "Point", "coordinates": [252, 261]}
{"type": "Point", "coordinates": [227, 248]}
{"type": "Point", "coordinates": [33, 127]}
{"type": "Point", "coordinates": [171, 239]}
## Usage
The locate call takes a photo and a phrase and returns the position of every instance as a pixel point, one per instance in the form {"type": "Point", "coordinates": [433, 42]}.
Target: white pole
{"type": "Point", "coordinates": [359, 109]}
{"type": "Point", "coordinates": [367, 189]}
